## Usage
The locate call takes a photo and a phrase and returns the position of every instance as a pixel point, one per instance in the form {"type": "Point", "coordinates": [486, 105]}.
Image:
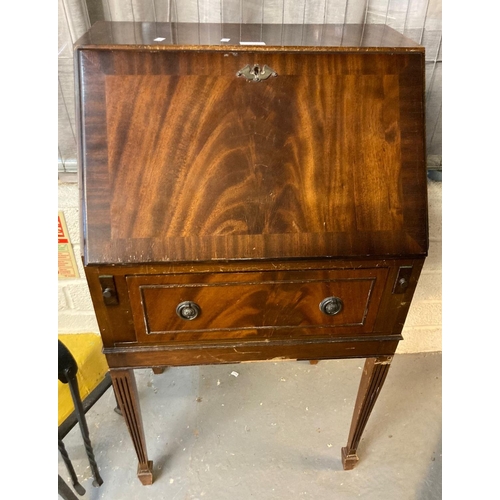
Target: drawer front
{"type": "Point", "coordinates": [256, 305]}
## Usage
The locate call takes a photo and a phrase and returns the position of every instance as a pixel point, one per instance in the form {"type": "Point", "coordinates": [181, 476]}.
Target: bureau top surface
{"type": "Point", "coordinates": [184, 157]}
{"type": "Point", "coordinates": [259, 37]}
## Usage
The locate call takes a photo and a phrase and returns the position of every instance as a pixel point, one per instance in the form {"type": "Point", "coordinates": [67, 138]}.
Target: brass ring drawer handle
{"type": "Point", "coordinates": [331, 306]}
{"type": "Point", "coordinates": [188, 310]}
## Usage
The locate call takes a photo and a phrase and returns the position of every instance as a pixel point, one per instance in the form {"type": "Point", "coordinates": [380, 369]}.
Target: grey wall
{"type": "Point", "coordinates": [420, 20]}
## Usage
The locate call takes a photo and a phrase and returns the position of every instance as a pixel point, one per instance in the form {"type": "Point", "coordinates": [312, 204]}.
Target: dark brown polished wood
{"type": "Point", "coordinates": [126, 395]}
{"type": "Point", "coordinates": [220, 215]}
{"type": "Point", "coordinates": [374, 373]}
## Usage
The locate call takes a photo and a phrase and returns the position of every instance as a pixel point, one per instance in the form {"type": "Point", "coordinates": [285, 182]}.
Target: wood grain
{"type": "Point", "coordinates": [255, 305]}
{"type": "Point", "coordinates": [250, 173]}
{"type": "Point", "coordinates": [307, 164]}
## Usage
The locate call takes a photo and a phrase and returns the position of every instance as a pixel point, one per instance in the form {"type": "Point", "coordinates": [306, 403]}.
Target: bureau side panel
{"type": "Point", "coordinates": [396, 302]}
{"type": "Point", "coordinates": [115, 321]}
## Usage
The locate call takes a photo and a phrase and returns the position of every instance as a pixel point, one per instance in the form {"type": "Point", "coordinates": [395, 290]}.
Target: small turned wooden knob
{"type": "Point", "coordinates": [403, 283]}
{"type": "Point", "coordinates": [188, 310]}
{"type": "Point", "coordinates": [331, 306]}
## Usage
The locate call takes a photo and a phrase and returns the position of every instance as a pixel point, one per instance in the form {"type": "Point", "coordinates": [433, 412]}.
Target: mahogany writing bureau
{"type": "Point", "coordinates": [250, 193]}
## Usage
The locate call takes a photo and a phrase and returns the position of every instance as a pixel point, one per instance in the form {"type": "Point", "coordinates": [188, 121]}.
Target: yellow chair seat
{"type": "Point", "coordinates": [86, 348]}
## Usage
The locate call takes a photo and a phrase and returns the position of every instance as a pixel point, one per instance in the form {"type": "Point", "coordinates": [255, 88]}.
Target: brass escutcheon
{"type": "Point", "coordinates": [255, 73]}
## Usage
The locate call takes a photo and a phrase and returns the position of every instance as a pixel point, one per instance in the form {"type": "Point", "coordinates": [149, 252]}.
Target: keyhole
{"type": "Point", "coordinates": [256, 70]}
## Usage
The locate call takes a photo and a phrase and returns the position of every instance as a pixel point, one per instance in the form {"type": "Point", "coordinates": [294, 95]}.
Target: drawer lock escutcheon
{"type": "Point", "coordinates": [255, 73]}
{"type": "Point", "coordinates": [188, 310]}
{"type": "Point", "coordinates": [331, 306]}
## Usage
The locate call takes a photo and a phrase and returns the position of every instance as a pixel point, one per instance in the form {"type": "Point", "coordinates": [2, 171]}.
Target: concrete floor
{"type": "Point", "coordinates": [272, 432]}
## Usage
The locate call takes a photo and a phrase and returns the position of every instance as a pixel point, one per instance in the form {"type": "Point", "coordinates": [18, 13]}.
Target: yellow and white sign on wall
{"type": "Point", "coordinates": [66, 257]}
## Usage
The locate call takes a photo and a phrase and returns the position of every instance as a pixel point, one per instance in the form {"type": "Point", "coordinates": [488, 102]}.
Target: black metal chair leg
{"type": "Point", "coordinates": [78, 487]}
{"type": "Point", "coordinates": [64, 490]}
{"type": "Point", "coordinates": [80, 415]}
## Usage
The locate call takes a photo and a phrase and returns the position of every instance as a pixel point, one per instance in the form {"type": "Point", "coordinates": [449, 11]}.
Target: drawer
{"type": "Point", "coordinates": [287, 304]}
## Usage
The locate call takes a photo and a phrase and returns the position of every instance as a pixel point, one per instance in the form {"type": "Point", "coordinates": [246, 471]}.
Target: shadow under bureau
{"type": "Point", "coordinates": [250, 193]}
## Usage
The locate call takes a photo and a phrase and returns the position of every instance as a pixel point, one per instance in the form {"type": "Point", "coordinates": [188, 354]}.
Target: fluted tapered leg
{"type": "Point", "coordinates": [372, 380]}
{"type": "Point", "coordinates": [128, 401]}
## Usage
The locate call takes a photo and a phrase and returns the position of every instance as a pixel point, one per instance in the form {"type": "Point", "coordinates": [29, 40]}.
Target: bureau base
{"type": "Point", "coordinates": [372, 379]}
{"type": "Point", "coordinates": [245, 351]}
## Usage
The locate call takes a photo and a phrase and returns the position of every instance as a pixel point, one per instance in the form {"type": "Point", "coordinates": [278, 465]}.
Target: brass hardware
{"type": "Point", "coordinates": [255, 73]}
{"type": "Point", "coordinates": [188, 310]}
{"type": "Point", "coordinates": [331, 306]}
{"type": "Point", "coordinates": [402, 279]}
{"type": "Point", "coordinates": [108, 289]}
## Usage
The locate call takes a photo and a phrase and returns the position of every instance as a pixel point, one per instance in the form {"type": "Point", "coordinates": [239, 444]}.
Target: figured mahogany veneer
{"type": "Point", "coordinates": [255, 202]}
{"type": "Point", "coordinates": [254, 305]}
